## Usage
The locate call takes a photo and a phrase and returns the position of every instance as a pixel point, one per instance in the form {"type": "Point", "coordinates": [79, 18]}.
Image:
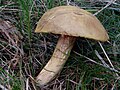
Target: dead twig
{"type": "Point", "coordinates": [112, 69]}
{"type": "Point", "coordinates": [107, 57]}
{"type": "Point", "coordinates": [3, 87]}
{"type": "Point", "coordinates": [107, 5]}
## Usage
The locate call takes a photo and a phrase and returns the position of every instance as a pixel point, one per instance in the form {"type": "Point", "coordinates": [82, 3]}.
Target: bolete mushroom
{"type": "Point", "coordinates": [70, 22]}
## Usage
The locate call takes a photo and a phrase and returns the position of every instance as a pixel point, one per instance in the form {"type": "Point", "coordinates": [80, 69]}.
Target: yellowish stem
{"type": "Point", "coordinates": [57, 61]}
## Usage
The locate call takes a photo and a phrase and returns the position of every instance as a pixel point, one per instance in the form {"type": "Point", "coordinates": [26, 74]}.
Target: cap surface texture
{"type": "Point", "coordinates": [72, 21]}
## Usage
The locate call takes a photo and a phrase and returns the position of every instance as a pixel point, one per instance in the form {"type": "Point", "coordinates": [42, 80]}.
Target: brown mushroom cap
{"type": "Point", "coordinates": [72, 21]}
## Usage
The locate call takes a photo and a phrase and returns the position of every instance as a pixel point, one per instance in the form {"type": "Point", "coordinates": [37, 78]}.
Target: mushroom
{"type": "Point", "coordinates": [70, 22]}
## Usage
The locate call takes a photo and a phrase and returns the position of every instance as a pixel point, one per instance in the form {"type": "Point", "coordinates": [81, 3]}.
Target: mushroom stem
{"type": "Point", "coordinates": [57, 61]}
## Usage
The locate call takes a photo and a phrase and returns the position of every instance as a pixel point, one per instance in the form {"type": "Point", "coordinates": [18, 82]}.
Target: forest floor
{"type": "Point", "coordinates": [92, 65]}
